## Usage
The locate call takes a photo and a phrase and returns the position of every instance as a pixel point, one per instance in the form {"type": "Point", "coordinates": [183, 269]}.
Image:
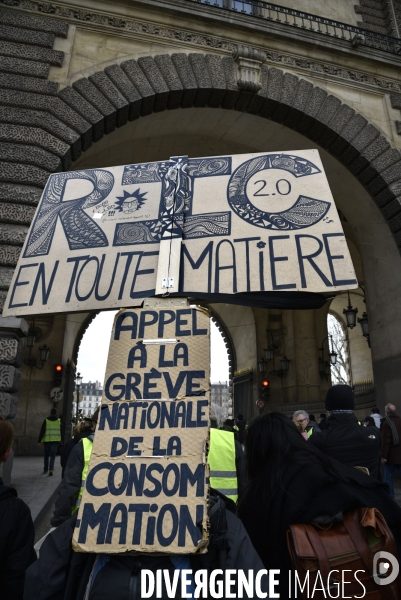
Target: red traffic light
{"type": "Point", "coordinates": [58, 368]}
{"type": "Point", "coordinates": [265, 383]}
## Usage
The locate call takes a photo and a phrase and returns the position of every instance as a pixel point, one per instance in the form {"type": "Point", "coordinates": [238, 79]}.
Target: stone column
{"type": "Point", "coordinates": [12, 332]}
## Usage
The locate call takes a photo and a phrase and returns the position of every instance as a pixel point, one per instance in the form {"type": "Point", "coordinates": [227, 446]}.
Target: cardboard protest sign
{"type": "Point", "coordinates": [106, 238]}
{"type": "Point", "coordinates": [147, 484]}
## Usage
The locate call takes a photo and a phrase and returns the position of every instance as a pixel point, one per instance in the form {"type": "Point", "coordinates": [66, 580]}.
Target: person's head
{"type": "Point", "coordinates": [273, 445]}
{"type": "Point", "coordinates": [322, 416]}
{"type": "Point", "coordinates": [340, 398]}
{"type": "Point", "coordinates": [369, 422]}
{"type": "Point", "coordinates": [53, 412]}
{"type": "Point", "coordinates": [6, 439]}
{"type": "Point", "coordinates": [312, 418]}
{"type": "Point", "coordinates": [240, 417]}
{"type": "Point", "coordinates": [88, 423]}
{"type": "Point", "coordinates": [375, 411]}
{"type": "Point", "coordinates": [302, 418]}
{"type": "Point", "coordinates": [390, 409]}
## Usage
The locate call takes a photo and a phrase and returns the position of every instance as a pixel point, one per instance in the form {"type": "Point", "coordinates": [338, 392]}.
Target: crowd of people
{"type": "Point", "coordinates": [265, 477]}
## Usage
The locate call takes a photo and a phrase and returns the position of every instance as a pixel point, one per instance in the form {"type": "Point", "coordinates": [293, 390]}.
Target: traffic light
{"type": "Point", "coordinates": [265, 388]}
{"type": "Point", "coordinates": [57, 375]}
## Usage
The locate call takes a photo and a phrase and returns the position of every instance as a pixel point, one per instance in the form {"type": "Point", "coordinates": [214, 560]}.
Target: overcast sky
{"type": "Point", "coordinates": [94, 347]}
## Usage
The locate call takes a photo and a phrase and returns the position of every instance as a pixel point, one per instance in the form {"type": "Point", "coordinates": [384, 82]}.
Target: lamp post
{"type": "Point", "coordinates": [364, 323]}
{"type": "Point", "coordinates": [350, 314]}
{"type": "Point", "coordinates": [78, 382]}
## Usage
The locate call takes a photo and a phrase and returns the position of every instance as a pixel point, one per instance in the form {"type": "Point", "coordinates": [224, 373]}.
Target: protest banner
{"type": "Point", "coordinates": [147, 484]}
{"type": "Point", "coordinates": [202, 227]}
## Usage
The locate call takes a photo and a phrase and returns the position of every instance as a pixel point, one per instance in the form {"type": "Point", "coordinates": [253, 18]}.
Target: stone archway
{"type": "Point", "coordinates": [46, 131]}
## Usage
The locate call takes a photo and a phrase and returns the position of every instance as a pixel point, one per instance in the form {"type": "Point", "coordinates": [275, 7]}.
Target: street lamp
{"type": "Point", "coordinates": [262, 365]}
{"type": "Point", "coordinates": [350, 314]}
{"type": "Point", "coordinates": [324, 366]}
{"type": "Point", "coordinates": [363, 321]}
{"type": "Point", "coordinates": [78, 382]}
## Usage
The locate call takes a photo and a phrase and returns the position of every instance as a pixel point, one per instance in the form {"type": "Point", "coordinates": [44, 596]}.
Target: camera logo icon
{"type": "Point", "coordinates": [385, 568]}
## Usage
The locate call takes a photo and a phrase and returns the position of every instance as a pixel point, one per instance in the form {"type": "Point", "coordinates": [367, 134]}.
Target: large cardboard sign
{"type": "Point", "coordinates": [106, 238]}
{"type": "Point", "coordinates": [146, 488]}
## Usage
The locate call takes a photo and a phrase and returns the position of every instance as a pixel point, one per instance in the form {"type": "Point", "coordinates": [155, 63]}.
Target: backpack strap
{"type": "Point", "coordinates": [361, 545]}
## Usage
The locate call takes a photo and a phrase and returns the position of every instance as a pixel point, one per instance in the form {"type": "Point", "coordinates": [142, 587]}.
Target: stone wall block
{"type": "Point", "coordinates": [249, 102]}
{"type": "Point", "coordinates": [187, 78]}
{"type": "Point", "coordinates": [127, 89]}
{"type": "Point", "coordinates": [5, 401]}
{"type": "Point", "coordinates": [85, 109]}
{"type": "Point", "coordinates": [28, 84]}
{"type": "Point", "coordinates": [3, 296]}
{"type": "Point", "coordinates": [398, 127]}
{"type": "Point", "coordinates": [38, 118]}
{"type": "Point", "coordinates": [155, 78]}
{"type": "Point", "coordinates": [13, 407]}
{"type": "Point", "coordinates": [141, 84]}
{"type": "Point", "coordinates": [395, 100]}
{"type": "Point", "coordinates": [347, 134]}
{"type": "Point", "coordinates": [54, 106]}
{"type": "Point", "coordinates": [95, 97]}
{"type": "Point", "coordinates": [17, 34]}
{"type": "Point", "coordinates": [231, 94]}
{"type": "Point", "coordinates": [10, 378]}
{"type": "Point", "coordinates": [391, 209]}
{"type": "Point", "coordinates": [34, 135]}
{"type": "Point", "coordinates": [312, 108]}
{"type": "Point", "coordinates": [217, 77]}
{"type": "Point", "coordinates": [11, 352]}
{"type": "Point", "coordinates": [271, 90]}
{"type": "Point", "coordinates": [9, 255]}
{"type": "Point", "coordinates": [385, 178]}
{"type": "Point", "coordinates": [170, 76]}
{"type": "Point", "coordinates": [6, 275]}
{"type": "Point", "coordinates": [382, 162]}
{"type": "Point", "coordinates": [13, 234]}
{"type": "Point", "coordinates": [288, 91]}
{"type": "Point", "coordinates": [20, 193]}
{"type": "Point", "coordinates": [113, 95]}
{"type": "Point", "coordinates": [324, 117]}
{"type": "Point", "coordinates": [302, 95]}
{"type": "Point", "coordinates": [387, 195]}
{"type": "Point", "coordinates": [14, 50]}
{"type": "Point", "coordinates": [16, 213]}
{"type": "Point", "coordinates": [24, 67]}
{"type": "Point", "coordinates": [30, 155]}
{"type": "Point", "coordinates": [20, 173]}
{"type": "Point", "coordinates": [204, 84]}
{"type": "Point", "coordinates": [30, 21]}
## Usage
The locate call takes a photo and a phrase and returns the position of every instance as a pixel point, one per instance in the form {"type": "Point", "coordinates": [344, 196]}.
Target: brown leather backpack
{"type": "Point", "coordinates": [349, 545]}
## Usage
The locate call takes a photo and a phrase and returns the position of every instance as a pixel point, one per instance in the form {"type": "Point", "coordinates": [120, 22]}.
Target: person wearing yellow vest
{"type": "Point", "coordinates": [73, 483]}
{"type": "Point", "coordinates": [50, 437]}
{"type": "Point", "coordinates": [227, 464]}
{"type": "Point", "coordinates": [306, 425]}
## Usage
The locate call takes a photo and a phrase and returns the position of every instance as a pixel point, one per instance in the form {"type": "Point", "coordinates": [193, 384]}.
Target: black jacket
{"type": "Point", "coordinates": [68, 447]}
{"type": "Point", "coordinates": [70, 485]}
{"type": "Point", "coordinates": [43, 428]}
{"type": "Point", "coordinates": [16, 543]}
{"type": "Point", "coordinates": [306, 492]}
{"type": "Point", "coordinates": [350, 443]}
{"type": "Point", "coordinates": [61, 574]}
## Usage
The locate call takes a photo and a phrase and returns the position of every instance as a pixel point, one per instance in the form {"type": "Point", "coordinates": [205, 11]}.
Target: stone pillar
{"type": "Point", "coordinates": [12, 331]}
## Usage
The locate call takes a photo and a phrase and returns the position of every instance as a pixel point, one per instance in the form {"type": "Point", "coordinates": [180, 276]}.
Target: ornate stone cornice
{"type": "Point", "coordinates": [178, 36]}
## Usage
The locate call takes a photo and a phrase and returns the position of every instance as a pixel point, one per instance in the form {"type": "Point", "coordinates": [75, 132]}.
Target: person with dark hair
{"type": "Point", "coordinates": [50, 437]}
{"type": "Point", "coordinates": [294, 482]}
{"type": "Point", "coordinates": [85, 428]}
{"type": "Point", "coordinates": [391, 445]}
{"type": "Point", "coordinates": [241, 427]}
{"type": "Point", "coordinates": [16, 529]}
{"type": "Point", "coordinates": [345, 439]}
{"type": "Point", "coordinates": [369, 422]}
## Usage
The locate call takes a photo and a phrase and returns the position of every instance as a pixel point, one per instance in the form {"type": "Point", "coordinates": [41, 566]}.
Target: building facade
{"type": "Point", "coordinates": [92, 83]}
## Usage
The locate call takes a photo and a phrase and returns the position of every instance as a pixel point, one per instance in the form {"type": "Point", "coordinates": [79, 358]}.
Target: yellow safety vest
{"type": "Point", "coordinates": [88, 444]}
{"type": "Point", "coordinates": [53, 431]}
{"type": "Point", "coordinates": [221, 459]}
{"type": "Point", "coordinates": [310, 432]}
